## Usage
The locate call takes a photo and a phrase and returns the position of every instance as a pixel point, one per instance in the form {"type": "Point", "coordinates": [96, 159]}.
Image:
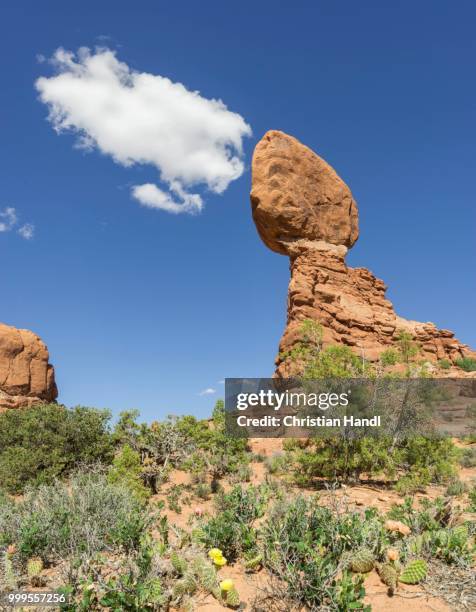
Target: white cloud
{"type": "Point", "coordinates": [151, 196]}
{"type": "Point", "coordinates": [142, 118]}
{"type": "Point", "coordinates": [9, 219]}
{"type": "Point", "coordinates": [27, 231]}
{"type": "Point", "coordinates": [208, 391]}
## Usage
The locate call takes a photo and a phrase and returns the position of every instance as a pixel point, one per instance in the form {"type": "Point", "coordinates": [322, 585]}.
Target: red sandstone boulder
{"type": "Point", "coordinates": [296, 195]}
{"type": "Point", "coordinates": [26, 376]}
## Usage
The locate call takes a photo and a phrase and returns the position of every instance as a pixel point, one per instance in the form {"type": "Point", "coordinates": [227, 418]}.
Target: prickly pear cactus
{"type": "Point", "coordinates": [178, 563]}
{"type": "Point", "coordinates": [185, 586]}
{"type": "Point", "coordinates": [206, 575]}
{"type": "Point", "coordinates": [416, 544]}
{"type": "Point", "coordinates": [389, 576]}
{"type": "Point", "coordinates": [9, 578]}
{"type": "Point", "coordinates": [362, 561]}
{"type": "Point", "coordinates": [34, 566]}
{"type": "Point", "coordinates": [253, 563]}
{"type": "Point", "coordinates": [414, 572]}
{"type": "Point", "coordinates": [232, 598]}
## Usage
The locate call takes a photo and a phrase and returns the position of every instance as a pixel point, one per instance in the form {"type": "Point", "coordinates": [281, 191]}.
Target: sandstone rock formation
{"type": "Point", "coordinates": [26, 376]}
{"type": "Point", "coordinates": [302, 209]}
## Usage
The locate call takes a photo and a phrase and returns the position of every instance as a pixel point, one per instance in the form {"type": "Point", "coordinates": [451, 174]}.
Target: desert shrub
{"type": "Point", "coordinates": [407, 347]}
{"type": "Point", "coordinates": [232, 537]}
{"type": "Point", "coordinates": [44, 442]}
{"type": "Point", "coordinates": [472, 498]}
{"type": "Point", "coordinates": [389, 357]}
{"type": "Point", "coordinates": [182, 442]}
{"type": "Point", "coordinates": [247, 504]}
{"type": "Point", "coordinates": [453, 545]}
{"type": "Point", "coordinates": [130, 582]}
{"type": "Point", "coordinates": [467, 364]}
{"type": "Point", "coordinates": [203, 490]}
{"type": "Point", "coordinates": [418, 460]}
{"type": "Point", "coordinates": [317, 362]}
{"type": "Point", "coordinates": [75, 519]}
{"type": "Point", "coordinates": [334, 362]}
{"type": "Point", "coordinates": [444, 364]}
{"type": "Point", "coordinates": [433, 533]}
{"type": "Point", "coordinates": [174, 498]}
{"type": "Point", "coordinates": [215, 451]}
{"type": "Point", "coordinates": [126, 470]}
{"type": "Point", "coordinates": [243, 473]}
{"type": "Point", "coordinates": [455, 488]}
{"type": "Point", "coordinates": [341, 459]}
{"type": "Point", "coordinates": [424, 461]}
{"type": "Point", "coordinates": [259, 457]}
{"type": "Point", "coordinates": [437, 455]}
{"type": "Point", "coordinates": [306, 545]}
{"type": "Point", "coordinates": [468, 457]}
{"type": "Point", "coordinates": [231, 529]}
{"type": "Point", "coordinates": [414, 482]}
{"type": "Point", "coordinates": [277, 463]}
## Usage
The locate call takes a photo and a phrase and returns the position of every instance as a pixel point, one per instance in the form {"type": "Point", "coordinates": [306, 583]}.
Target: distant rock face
{"type": "Point", "coordinates": [302, 209]}
{"type": "Point", "coordinates": [26, 376]}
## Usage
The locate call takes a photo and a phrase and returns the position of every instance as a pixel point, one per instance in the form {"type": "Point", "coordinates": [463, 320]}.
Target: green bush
{"type": "Point", "coordinates": [231, 536]}
{"type": "Point", "coordinates": [277, 463]}
{"type": "Point", "coordinates": [407, 347]}
{"type": "Point", "coordinates": [456, 488]}
{"type": "Point", "coordinates": [334, 362]}
{"type": "Point", "coordinates": [341, 459]}
{"type": "Point", "coordinates": [129, 583]}
{"type": "Point", "coordinates": [467, 364]}
{"type": "Point", "coordinates": [231, 530]}
{"type": "Point", "coordinates": [304, 545]}
{"type": "Point", "coordinates": [468, 457]}
{"type": "Point", "coordinates": [444, 364]}
{"type": "Point", "coordinates": [472, 498]}
{"type": "Point", "coordinates": [126, 470]}
{"type": "Point", "coordinates": [389, 357]}
{"type": "Point", "coordinates": [42, 443]}
{"type": "Point", "coordinates": [185, 443]}
{"type": "Point", "coordinates": [418, 460]}
{"type": "Point", "coordinates": [75, 519]}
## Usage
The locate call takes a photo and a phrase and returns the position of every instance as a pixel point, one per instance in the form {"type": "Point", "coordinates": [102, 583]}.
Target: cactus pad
{"type": "Point", "coordinates": [414, 572]}
{"type": "Point", "coordinates": [232, 598]}
{"type": "Point", "coordinates": [362, 561]}
{"type": "Point", "coordinates": [178, 563]}
{"type": "Point", "coordinates": [253, 562]}
{"type": "Point", "coordinates": [389, 576]}
{"type": "Point", "coordinates": [34, 567]}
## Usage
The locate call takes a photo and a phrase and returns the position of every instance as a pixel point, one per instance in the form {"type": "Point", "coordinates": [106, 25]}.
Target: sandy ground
{"type": "Point", "coordinates": [250, 586]}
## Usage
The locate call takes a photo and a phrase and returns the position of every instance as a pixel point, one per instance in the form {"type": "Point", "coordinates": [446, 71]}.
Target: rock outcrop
{"type": "Point", "coordinates": [303, 209]}
{"type": "Point", "coordinates": [26, 376]}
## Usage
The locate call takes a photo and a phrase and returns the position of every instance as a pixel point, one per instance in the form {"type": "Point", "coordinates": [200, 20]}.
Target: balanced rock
{"type": "Point", "coordinates": [297, 196]}
{"type": "Point", "coordinates": [302, 209]}
{"type": "Point", "coordinates": [26, 376]}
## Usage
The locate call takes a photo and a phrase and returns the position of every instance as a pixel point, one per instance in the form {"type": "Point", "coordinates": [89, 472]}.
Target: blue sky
{"type": "Point", "coordinates": [144, 309]}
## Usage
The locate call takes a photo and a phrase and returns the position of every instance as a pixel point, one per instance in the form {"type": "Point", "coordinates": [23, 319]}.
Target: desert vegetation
{"type": "Point", "coordinates": [177, 515]}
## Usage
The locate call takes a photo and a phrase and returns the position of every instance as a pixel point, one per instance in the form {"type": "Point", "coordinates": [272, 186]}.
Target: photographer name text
{"type": "Point", "coordinates": [307, 421]}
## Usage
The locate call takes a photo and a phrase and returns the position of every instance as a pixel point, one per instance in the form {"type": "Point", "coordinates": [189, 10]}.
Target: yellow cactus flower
{"type": "Point", "coordinates": [393, 554]}
{"type": "Point", "coordinates": [215, 552]}
{"type": "Point", "coordinates": [227, 585]}
{"type": "Point", "coordinates": [219, 561]}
